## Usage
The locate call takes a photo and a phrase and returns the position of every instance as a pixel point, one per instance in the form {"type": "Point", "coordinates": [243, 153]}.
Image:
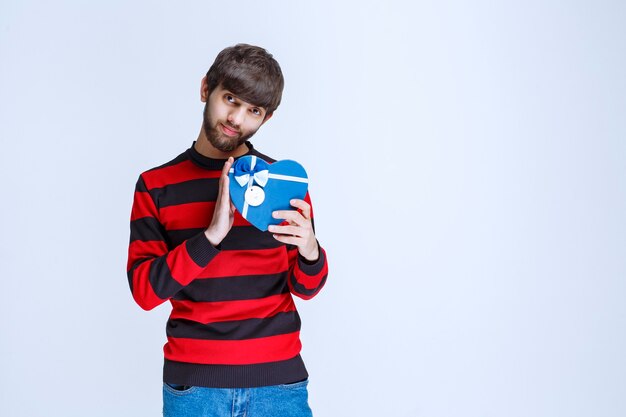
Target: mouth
{"type": "Point", "coordinates": [228, 131]}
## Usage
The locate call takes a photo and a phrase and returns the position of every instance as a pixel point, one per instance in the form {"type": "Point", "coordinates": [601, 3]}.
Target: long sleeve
{"type": "Point", "coordinates": [306, 279]}
{"type": "Point", "coordinates": [156, 273]}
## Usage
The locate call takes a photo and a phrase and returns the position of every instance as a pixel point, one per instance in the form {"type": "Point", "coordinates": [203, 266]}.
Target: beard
{"type": "Point", "coordinates": [217, 138]}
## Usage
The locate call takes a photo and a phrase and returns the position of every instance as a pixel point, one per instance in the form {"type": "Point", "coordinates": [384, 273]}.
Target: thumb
{"type": "Point", "coordinates": [225, 188]}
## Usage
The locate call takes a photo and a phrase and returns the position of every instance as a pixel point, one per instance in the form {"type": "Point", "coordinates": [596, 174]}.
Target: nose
{"type": "Point", "coordinates": [237, 116]}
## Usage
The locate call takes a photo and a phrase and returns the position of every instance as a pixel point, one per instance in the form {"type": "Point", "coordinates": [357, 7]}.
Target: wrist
{"type": "Point", "coordinates": [213, 238]}
{"type": "Point", "coordinates": [312, 255]}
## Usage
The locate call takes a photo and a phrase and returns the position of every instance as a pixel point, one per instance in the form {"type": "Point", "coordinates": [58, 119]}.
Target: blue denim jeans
{"type": "Point", "coordinates": [289, 400]}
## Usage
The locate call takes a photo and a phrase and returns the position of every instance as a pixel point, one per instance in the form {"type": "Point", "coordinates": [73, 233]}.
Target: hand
{"type": "Point", "coordinates": [299, 232]}
{"type": "Point", "coordinates": [224, 212]}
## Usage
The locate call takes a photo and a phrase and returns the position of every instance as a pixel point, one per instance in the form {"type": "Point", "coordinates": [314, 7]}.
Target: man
{"type": "Point", "coordinates": [233, 345]}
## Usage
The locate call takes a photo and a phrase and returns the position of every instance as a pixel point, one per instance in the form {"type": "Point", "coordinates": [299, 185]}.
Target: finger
{"type": "Point", "coordinates": [219, 192]}
{"type": "Point", "coordinates": [225, 191]}
{"type": "Point", "coordinates": [288, 230]}
{"type": "Point", "coordinates": [302, 205]}
{"type": "Point", "coordinates": [223, 195]}
{"type": "Point", "coordinates": [227, 165]}
{"type": "Point", "coordinates": [289, 215]}
{"type": "Point", "coordinates": [288, 240]}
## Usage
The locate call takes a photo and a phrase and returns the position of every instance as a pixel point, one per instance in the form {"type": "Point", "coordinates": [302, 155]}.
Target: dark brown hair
{"type": "Point", "coordinates": [251, 73]}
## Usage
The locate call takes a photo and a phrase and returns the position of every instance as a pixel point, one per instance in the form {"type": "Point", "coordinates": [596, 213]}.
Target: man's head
{"type": "Point", "coordinates": [242, 89]}
{"type": "Point", "coordinates": [251, 73]}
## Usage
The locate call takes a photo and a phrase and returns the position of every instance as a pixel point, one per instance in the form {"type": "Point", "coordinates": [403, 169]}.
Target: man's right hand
{"type": "Point", "coordinates": [224, 212]}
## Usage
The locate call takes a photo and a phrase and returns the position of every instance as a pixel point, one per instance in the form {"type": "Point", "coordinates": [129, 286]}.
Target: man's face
{"type": "Point", "coordinates": [230, 121]}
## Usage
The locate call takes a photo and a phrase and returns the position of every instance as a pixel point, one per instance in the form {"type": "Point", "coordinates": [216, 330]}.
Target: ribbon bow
{"type": "Point", "coordinates": [248, 170]}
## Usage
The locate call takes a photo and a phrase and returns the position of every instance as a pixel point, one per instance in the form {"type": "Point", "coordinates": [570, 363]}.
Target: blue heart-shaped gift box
{"type": "Point", "coordinates": [258, 188]}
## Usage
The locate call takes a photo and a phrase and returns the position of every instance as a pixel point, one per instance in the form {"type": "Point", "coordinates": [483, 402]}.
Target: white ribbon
{"type": "Point", "coordinates": [260, 177]}
{"type": "Point", "coordinates": [288, 178]}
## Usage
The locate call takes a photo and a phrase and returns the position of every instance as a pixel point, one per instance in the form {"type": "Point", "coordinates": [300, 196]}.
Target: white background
{"type": "Point", "coordinates": [468, 172]}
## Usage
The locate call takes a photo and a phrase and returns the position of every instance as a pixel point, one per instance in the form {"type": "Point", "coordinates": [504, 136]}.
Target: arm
{"type": "Point", "coordinates": [308, 266]}
{"type": "Point", "coordinates": [155, 273]}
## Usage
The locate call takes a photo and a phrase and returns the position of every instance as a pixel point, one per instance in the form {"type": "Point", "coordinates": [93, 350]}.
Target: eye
{"type": "Point", "coordinates": [230, 98]}
{"type": "Point", "coordinates": [256, 111]}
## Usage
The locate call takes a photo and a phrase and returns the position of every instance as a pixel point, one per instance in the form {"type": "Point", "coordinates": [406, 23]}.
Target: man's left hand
{"type": "Point", "coordinates": [299, 231]}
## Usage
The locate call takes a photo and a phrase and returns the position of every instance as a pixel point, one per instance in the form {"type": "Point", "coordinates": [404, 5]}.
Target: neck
{"type": "Point", "coordinates": [204, 148]}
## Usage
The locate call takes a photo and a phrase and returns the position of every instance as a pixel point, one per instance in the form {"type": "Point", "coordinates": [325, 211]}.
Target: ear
{"type": "Point", "coordinates": [204, 90]}
{"type": "Point", "coordinates": [267, 117]}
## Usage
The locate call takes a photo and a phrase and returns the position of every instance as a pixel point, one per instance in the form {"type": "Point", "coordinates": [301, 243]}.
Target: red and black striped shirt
{"type": "Point", "coordinates": [233, 321]}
